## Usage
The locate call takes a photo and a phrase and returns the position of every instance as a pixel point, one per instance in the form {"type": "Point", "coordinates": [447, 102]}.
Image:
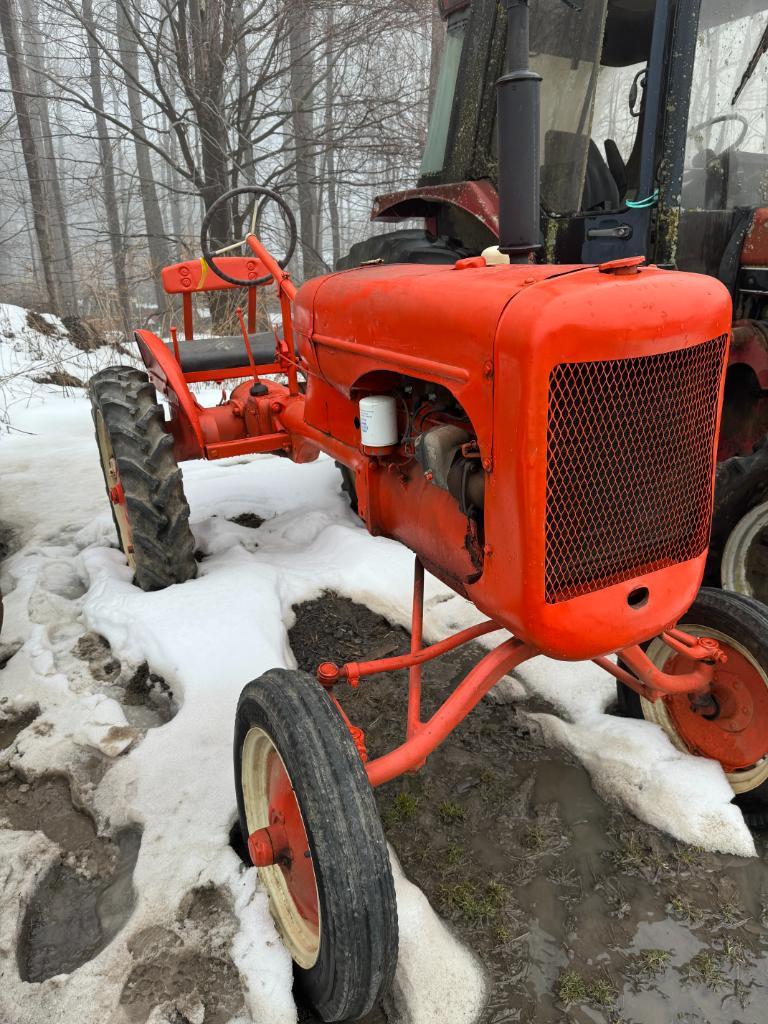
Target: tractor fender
{"type": "Point", "coordinates": [166, 375]}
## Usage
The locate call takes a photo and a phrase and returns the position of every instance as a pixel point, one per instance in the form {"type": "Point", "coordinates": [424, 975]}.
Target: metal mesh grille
{"type": "Point", "coordinates": [629, 466]}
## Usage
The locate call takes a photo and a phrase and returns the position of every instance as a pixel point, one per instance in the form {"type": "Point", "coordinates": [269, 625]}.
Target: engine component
{"type": "Point", "coordinates": [441, 452]}
{"type": "Point", "coordinates": [378, 421]}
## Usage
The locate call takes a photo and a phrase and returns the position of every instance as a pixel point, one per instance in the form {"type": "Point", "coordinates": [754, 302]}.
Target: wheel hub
{"type": "Point", "coordinates": [732, 727]}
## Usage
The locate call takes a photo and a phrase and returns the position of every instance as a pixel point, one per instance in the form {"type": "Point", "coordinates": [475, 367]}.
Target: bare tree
{"type": "Point", "coordinates": [111, 209]}
{"type": "Point", "coordinates": [20, 91]}
{"type": "Point", "coordinates": [159, 249]}
{"type": "Point", "coordinates": [33, 49]}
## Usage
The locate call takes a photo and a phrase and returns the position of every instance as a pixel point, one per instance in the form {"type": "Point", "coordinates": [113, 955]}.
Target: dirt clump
{"type": "Point", "coordinates": [38, 323]}
{"type": "Point", "coordinates": [82, 334]}
{"type": "Point", "coordinates": [60, 378]}
{"type": "Point", "coordinates": [249, 519]}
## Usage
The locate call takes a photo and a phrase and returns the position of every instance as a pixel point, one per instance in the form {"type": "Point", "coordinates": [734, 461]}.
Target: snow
{"type": "Point", "coordinates": [207, 638]}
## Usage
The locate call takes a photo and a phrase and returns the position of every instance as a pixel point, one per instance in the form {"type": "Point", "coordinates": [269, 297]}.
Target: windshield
{"type": "Point", "coordinates": [439, 123]}
{"type": "Point", "coordinates": [726, 157]}
{"type": "Point", "coordinates": [565, 51]}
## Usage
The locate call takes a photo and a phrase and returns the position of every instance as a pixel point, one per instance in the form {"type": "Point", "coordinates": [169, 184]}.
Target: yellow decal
{"type": "Point", "coordinates": [203, 274]}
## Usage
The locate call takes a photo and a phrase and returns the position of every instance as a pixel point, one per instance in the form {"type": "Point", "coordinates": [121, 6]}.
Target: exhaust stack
{"type": "Point", "coordinates": [518, 141]}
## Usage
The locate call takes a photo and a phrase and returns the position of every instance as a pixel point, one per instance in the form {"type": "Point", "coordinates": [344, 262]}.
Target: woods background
{"type": "Point", "coordinates": [121, 122]}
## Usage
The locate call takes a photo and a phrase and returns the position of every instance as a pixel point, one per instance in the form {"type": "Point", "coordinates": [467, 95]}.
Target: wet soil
{"type": "Point", "coordinates": [146, 698]}
{"type": "Point", "coordinates": [578, 911]}
{"type": "Point", "coordinates": [11, 725]}
{"type": "Point", "coordinates": [187, 970]}
{"type": "Point", "coordinates": [249, 519]}
{"type": "Point", "coordinates": [87, 896]}
{"type": "Point", "coordinates": [74, 915]}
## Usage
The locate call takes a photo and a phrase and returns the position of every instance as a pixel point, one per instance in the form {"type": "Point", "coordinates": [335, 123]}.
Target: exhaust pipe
{"type": "Point", "coordinates": [518, 115]}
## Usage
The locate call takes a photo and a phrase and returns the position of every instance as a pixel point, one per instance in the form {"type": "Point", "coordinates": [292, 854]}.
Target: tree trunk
{"type": "Point", "coordinates": [41, 124]}
{"type": "Point", "coordinates": [303, 133]}
{"type": "Point", "coordinates": [116, 240]}
{"type": "Point", "coordinates": [19, 88]}
{"type": "Point", "coordinates": [329, 139]}
{"type": "Point", "coordinates": [159, 249]}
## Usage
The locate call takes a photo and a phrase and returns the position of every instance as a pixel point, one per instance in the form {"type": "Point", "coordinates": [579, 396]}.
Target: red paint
{"type": "Point", "coordinates": [284, 841]}
{"type": "Point", "coordinates": [477, 198]}
{"type": "Point", "coordinates": [493, 337]}
{"type": "Point", "coordinates": [755, 250]}
{"type": "Point", "coordinates": [737, 736]}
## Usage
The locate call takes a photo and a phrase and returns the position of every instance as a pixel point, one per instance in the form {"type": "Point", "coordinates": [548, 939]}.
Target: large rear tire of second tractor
{"type": "Point", "coordinates": [737, 735]}
{"type": "Point", "coordinates": [142, 477]}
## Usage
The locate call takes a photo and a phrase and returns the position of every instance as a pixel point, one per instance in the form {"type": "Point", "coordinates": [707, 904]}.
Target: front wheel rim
{"type": "Point", "coordinates": [269, 797]}
{"type": "Point", "coordinates": [738, 736]}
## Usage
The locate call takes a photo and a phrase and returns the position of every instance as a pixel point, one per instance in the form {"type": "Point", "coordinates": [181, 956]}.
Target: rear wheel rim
{"type": "Point", "coordinates": [738, 736]}
{"type": "Point", "coordinates": [268, 797]}
{"type": "Point", "coordinates": [744, 567]}
{"type": "Point", "coordinates": [115, 489]}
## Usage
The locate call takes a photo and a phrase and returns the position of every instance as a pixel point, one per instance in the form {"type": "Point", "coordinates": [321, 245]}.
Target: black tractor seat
{"type": "Point", "coordinates": [224, 353]}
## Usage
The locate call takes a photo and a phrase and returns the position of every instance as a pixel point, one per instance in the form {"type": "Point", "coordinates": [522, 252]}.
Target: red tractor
{"type": "Point", "coordinates": [654, 142]}
{"type": "Point", "coordinates": [542, 436]}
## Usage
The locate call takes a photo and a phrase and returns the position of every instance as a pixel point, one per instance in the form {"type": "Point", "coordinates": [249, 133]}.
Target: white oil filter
{"type": "Point", "coordinates": [378, 421]}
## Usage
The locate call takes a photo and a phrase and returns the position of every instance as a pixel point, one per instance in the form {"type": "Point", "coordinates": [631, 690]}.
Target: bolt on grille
{"type": "Point", "coordinates": [629, 466]}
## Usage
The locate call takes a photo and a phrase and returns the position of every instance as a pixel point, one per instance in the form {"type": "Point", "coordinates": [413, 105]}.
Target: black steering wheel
{"type": "Point", "coordinates": [261, 195]}
{"type": "Point", "coordinates": [721, 119]}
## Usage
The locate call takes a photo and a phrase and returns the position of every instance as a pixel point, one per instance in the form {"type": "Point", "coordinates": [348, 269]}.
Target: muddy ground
{"type": "Point", "coordinates": [578, 911]}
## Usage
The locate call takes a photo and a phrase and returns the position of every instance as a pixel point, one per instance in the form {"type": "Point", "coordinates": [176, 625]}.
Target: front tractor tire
{"type": "Point", "coordinates": [142, 478]}
{"type": "Point", "coordinates": [737, 735]}
{"type": "Point", "coordinates": [309, 819]}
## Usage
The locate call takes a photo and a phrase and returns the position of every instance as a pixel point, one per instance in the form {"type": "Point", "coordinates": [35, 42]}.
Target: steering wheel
{"type": "Point", "coordinates": [261, 196]}
{"type": "Point", "coordinates": [721, 119]}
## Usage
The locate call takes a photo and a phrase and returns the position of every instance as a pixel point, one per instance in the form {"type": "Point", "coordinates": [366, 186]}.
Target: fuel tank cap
{"type": "Point", "coordinates": [626, 265]}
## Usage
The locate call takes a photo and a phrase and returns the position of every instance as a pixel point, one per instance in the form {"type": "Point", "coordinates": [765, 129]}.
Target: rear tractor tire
{"type": "Point", "coordinates": [142, 478]}
{"type": "Point", "coordinates": [737, 736]}
{"type": "Point", "coordinates": [406, 245]}
{"type": "Point", "coordinates": [309, 820]}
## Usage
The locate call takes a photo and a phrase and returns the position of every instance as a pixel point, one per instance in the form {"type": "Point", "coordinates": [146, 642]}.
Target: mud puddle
{"type": "Point", "coordinates": [87, 896]}
{"type": "Point", "coordinates": [12, 723]}
{"type": "Point", "coordinates": [579, 912]}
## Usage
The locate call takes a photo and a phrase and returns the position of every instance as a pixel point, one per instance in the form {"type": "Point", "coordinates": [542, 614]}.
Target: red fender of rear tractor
{"type": "Point", "coordinates": [749, 347]}
{"type": "Point", "coordinates": [477, 198]}
{"type": "Point", "coordinates": [166, 374]}
{"type": "Point", "coordinates": [745, 419]}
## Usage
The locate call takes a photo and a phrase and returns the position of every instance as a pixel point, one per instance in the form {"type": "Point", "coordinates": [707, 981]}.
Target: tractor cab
{"type": "Point", "coordinates": [653, 128]}
{"type": "Point", "coordinates": [653, 142]}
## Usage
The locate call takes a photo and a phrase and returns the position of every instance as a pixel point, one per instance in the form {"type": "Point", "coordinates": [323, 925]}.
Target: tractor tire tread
{"type": "Point", "coordinates": [164, 548]}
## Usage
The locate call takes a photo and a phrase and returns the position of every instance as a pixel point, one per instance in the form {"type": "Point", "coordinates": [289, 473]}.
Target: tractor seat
{"type": "Point", "coordinates": [225, 353]}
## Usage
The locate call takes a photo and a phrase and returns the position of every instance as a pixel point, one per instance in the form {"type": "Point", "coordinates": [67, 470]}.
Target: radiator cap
{"type": "Point", "coordinates": [626, 265]}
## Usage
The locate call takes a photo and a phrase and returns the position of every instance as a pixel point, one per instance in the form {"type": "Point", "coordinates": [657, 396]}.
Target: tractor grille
{"type": "Point", "coordinates": [629, 466]}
